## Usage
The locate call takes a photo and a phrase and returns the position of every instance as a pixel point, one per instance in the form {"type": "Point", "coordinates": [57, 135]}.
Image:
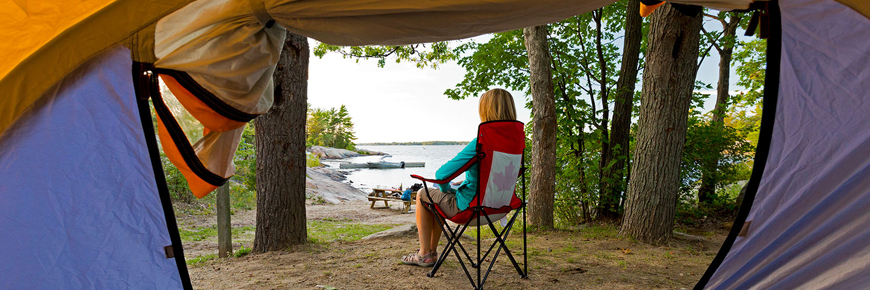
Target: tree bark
{"type": "Point", "coordinates": [619, 137]}
{"type": "Point", "coordinates": [543, 178]}
{"type": "Point", "coordinates": [707, 191]}
{"type": "Point", "coordinates": [280, 141]}
{"type": "Point", "coordinates": [605, 184]}
{"type": "Point", "coordinates": [668, 81]}
{"type": "Point", "coordinates": [224, 222]}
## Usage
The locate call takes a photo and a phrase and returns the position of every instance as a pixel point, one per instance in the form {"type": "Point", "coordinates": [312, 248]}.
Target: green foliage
{"type": "Point", "coordinates": [688, 213]}
{"type": "Point", "coordinates": [746, 120]}
{"type": "Point", "coordinates": [423, 55]}
{"type": "Point", "coordinates": [311, 160]}
{"type": "Point", "coordinates": [242, 197]}
{"type": "Point", "coordinates": [707, 142]}
{"type": "Point", "coordinates": [751, 63]}
{"type": "Point", "coordinates": [330, 128]}
{"type": "Point", "coordinates": [501, 61]}
{"type": "Point", "coordinates": [246, 160]}
{"type": "Point", "coordinates": [175, 181]}
{"type": "Point", "coordinates": [585, 67]}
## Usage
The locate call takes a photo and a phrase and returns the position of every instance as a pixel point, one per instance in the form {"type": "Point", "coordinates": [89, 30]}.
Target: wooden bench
{"type": "Point", "coordinates": [382, 194]}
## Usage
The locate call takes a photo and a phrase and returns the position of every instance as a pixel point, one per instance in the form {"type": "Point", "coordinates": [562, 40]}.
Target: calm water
{"type": "Point", "coordinates": [365, 179]}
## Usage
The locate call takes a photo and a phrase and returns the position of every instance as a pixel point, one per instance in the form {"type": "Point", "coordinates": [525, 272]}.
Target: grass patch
{"type": "Point", "coordinates": [240, 199]}
{"type": "Point", "coordinates": [199, 260]}
{"type": "Point", "coordinates": [325, 231]}
{"type": "Point", "coordinates": [599, 231]}
{"type": "Point", "coordinates": [197, 234]}
{"type": "Point", "coordinates": [202, 233]}
{"type": "Point", "coordinates": [242, 252]}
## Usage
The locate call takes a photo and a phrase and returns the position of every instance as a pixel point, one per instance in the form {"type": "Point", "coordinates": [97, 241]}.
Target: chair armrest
{"type": "Point", "coordinates": [429, 180]}
{"type": "Point", "coordinates": [472, 161]}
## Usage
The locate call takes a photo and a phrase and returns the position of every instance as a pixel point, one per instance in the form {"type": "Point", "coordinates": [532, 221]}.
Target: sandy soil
{"type": "Point", "coordinates": [579, 259]}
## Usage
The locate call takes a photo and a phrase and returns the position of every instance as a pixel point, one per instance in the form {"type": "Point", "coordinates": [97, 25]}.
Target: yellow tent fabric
{"type": "Point", "coordinates": [31, 24]}
{"type": "Point", "coordinates": [43, 41]}
{"type": "Point", "coordinates": [861, 6]}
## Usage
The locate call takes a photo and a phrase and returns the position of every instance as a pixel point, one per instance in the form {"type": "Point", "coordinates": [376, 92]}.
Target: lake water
{"type": "Point", "coordinates": [433, 155]}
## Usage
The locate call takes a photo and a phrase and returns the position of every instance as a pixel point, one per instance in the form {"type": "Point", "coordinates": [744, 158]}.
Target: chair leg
{"type": "Point", "coordinates": [452, 240]}
{"type": "Point", "coordinates": [500, 241]}
{"type": "Point", "coordinates": [503, 245]}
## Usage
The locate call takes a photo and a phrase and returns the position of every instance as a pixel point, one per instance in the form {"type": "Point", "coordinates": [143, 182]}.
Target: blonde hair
{"type": "Point", "coordinates": [495, 105]}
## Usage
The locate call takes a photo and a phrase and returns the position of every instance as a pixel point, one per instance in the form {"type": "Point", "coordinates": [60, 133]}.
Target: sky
{"type": "Point", "coordinates": [397, 103]}
{"type": "Point", "coordinates": [403, 103]}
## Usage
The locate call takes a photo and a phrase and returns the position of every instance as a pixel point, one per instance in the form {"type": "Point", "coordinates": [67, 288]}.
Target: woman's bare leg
{"type": "Point", "coordinates": [436, 235]}
{"type": "Point", "coordinates": [425, 227]}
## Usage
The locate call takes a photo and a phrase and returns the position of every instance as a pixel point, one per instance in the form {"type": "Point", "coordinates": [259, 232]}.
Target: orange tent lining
{"type": "Point", "coordinates": [646, 10]}
{"type": "Point", "coordinates": [198, 186]}
{"type": "Point", "coordinates": [212, 120]}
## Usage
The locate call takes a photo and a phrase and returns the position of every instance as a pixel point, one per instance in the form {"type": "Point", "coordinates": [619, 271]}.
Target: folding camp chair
{"type": "Point", "coordinates": [500, 157]}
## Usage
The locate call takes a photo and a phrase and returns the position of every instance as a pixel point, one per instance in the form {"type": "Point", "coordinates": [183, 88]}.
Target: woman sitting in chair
{"type": "Point", "coordinates": [496, 104]}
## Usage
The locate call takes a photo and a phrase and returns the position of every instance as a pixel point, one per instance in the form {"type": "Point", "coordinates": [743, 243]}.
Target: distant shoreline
{"type": "Point", "coordinates": [419, 143]}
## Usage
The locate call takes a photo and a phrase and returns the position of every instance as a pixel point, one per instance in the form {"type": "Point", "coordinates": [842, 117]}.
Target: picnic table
{"type": "Point", "coordinates": [385, 195]}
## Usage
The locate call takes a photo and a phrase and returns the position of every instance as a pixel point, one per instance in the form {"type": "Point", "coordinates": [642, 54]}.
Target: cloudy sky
{"type": "Point", "coordinates": [402, 103]}
{"type": "Point", "coordinates": [397, 103]}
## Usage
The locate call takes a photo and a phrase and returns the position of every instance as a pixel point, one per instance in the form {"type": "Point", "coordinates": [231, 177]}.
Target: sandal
{"type": "Point", "coordinates": [426, 260]}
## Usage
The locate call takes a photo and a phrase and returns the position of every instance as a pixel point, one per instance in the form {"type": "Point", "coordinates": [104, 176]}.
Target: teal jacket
{"type": "Point", "coordinates": [468, 188]}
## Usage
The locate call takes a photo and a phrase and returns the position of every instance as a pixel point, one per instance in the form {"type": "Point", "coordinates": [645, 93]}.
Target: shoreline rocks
{"type": "Point", "coordinates": [335, 153]}
{"type": "Point", "coordinates": [326, 184]}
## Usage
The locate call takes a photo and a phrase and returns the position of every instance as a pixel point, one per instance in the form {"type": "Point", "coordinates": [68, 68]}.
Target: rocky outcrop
{"type": "Point", "coordinates": [321, 184]}
{"type": "Point", "coordinates": [335, 153]}
{"type": "Point", "coordinates": [403, 230]}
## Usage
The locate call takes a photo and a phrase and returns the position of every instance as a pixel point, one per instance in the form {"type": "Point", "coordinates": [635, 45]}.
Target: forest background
{"type": "Point", "coordinates": [596, 64]}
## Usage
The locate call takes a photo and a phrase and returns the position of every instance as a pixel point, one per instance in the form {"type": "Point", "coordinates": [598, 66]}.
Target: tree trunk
{"type": "Point", "coordinates": [668, 81]}
{"type": "Point", "coordinates": [707, 191]}
{"type": "Point", "coordinates": [280, 139]}
{"type": "Point", "coordinates": [605, 184]}
{"type": "Point", "coordinates": [543, 179]}
{"type": "Point", "coordinates": [619, 137]}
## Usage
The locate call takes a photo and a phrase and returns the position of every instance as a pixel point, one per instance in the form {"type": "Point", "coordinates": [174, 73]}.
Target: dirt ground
{"type": "Point", "coordinates": [590, 257]}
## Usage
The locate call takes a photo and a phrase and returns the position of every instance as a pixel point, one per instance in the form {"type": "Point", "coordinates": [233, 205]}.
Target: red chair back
{"type": "Point", "coordinates": [502, 144]}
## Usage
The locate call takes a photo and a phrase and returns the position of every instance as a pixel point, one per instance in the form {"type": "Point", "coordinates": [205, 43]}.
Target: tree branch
{"type": "Point", "coordinates": [712, 40]}
{"type": "Point", "coordinates": [712, 16]}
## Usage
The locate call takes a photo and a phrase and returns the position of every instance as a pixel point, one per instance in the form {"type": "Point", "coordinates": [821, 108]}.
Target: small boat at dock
{"type": "Point", "coordinates": [381, 165]}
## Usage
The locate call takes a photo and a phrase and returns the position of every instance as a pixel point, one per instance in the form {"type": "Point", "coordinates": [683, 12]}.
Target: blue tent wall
{"type": "Point", "coordinates": [806, 207]}
{"type": "Point", "coordinates": [80, 207]}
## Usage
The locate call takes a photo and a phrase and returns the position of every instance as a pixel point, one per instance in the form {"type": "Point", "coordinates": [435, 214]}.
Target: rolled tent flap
{"type": "Point", "coordinates": [204, 156]}
{"type": "Point", "coordinates": [220, 52]}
